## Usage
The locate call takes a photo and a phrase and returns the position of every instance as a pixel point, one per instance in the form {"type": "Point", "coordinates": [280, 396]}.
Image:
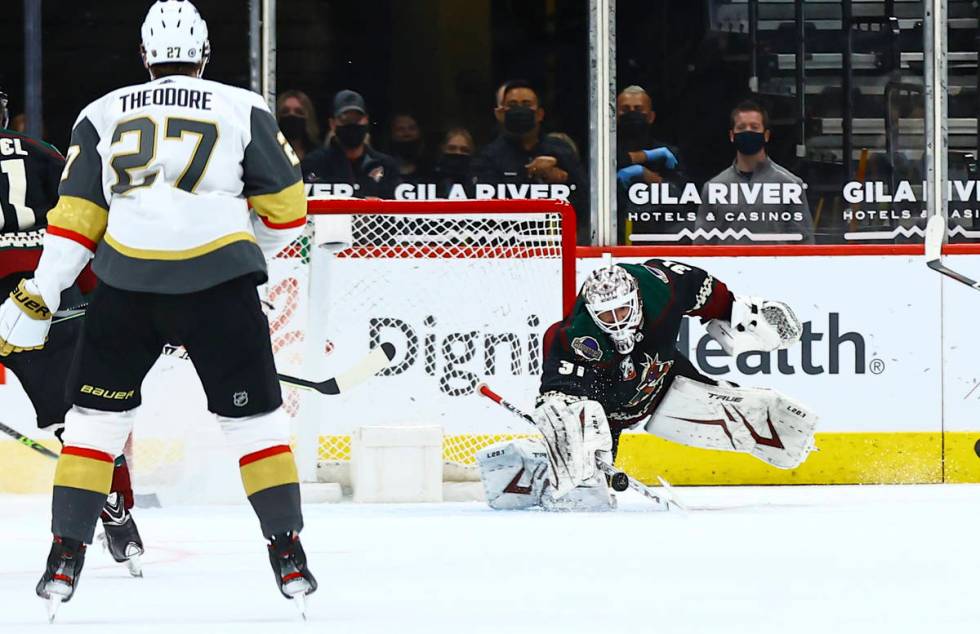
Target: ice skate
{"type": "Point", "coordinates": [289, 565]}
{"type": "Point", "coordinates": [60, 578]}
{"type": "Point", "coordinates": [121, 537]}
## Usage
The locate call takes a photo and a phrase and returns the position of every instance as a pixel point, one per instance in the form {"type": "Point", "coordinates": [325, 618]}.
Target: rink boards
{"type": "Point", "coordinates": [887, 360]}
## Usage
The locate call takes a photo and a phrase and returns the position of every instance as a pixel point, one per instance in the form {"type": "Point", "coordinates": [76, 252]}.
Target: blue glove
{"type": "Point", "coordinates": [670, 161]}
{"type": "Point", "coordinates": [627, 174]}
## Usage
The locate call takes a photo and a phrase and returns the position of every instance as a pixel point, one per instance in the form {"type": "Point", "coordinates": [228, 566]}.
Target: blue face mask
{"type": "Point", "coordinates": [749, 142]}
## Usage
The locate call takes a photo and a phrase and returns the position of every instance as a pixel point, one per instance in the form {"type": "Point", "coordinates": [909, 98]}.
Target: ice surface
{"type": "Point", "coordinates": [778, 559]}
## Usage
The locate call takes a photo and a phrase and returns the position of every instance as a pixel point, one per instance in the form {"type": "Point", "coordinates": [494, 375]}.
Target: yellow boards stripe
{"type": "Point", "coordinates": [961, 456]}
{"type": "Point", "coordinates": [83, 472]}
{"type": "Point", "coordinates": [842, 458]}
{"type": "Point", "coordinates": [269, 472]}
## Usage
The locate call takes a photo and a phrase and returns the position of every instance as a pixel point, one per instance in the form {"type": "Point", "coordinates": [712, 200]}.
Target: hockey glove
{"type": "Point", "coordinates": [24, 320]}
{"type": "Point", "coordinates": [757, 325]}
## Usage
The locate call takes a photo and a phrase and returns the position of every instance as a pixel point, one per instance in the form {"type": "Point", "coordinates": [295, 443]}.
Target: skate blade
{"type": "Point", "coordinates": [297, 591]}
{"type": "Point", "coordinates": [51, 604]}
{"type": "Point", "coordinates": [56, 592]}
{"type": "Point", "coordinates": [135, 566]}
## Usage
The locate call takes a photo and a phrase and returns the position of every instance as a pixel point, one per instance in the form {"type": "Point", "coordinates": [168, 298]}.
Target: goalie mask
{"type": "Point", "coordinates": [612, 298]}
{"type": "Point", "coordinates": [175, 33]}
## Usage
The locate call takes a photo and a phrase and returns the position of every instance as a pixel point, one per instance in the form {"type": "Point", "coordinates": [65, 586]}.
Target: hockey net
{"type": "Point", "coordinates": [464, 290]}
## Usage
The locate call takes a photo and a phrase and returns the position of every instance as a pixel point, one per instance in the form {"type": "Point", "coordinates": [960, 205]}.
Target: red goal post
{"type": "Point", "coordinates": [464, 291]}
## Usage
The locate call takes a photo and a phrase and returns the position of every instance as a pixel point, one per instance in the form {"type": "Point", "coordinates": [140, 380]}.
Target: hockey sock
{"type": "Point", "coordinates": [82, 481]}
{"type": "Point", "coordinates": [272, 486]}
{"type": "Point", "coordinates": [121, 483]}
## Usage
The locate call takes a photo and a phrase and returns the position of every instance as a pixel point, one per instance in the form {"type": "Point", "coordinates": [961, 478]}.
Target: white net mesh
{"type": "Point", "coordinates": [463, 291]}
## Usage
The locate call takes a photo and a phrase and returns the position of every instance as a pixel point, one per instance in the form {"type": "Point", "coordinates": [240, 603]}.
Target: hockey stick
{"type": "Point", "coordinates": [375, 361]}
{"type": "Point", "coordinates": [27, 442]}
{"type": "Point", "coordinates": [935, 232]}
{"type": "Point", "coordinates": [620, 480]}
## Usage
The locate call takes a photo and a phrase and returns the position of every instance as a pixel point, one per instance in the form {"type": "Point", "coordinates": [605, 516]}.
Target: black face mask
{"type": "Point", "coordinates": [519, 120]}
{"type": "Point", "coordinates": [631, 128]}
{"type": "Point", "coordinates": [293, 127]}
{"type": "Point", "coordinates": [749, 143]}
{"type": "Point", "coordinates": [351, 135]}
{"type": "Point", "coordinates": [453, 165]}
{"type": "Point", "coordinates": [407, 150]}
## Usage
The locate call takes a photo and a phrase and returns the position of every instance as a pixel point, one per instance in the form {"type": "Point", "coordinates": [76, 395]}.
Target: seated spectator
{"type": "Point", "coordinates": [408, 146]}
{"type": "Point", "coordinates": [347, 165]}
{"type": "Point", "coordinates": [298, 121]}
{"type": "Point", "coordinates": [732, 200]}
{"type": "Point", "coordinates": [635, 145]}
{"type": "Point", "coordinates": [520, 155]}
{"type": "Point", "coordinates": [453, 163]}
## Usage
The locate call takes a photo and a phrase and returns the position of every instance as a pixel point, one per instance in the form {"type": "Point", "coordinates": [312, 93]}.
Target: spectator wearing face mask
{"type": "Point", "coordinates": [522, 155]}
{"type": "Point", "coordinates": [640, 157]}
{"type": "Point", "coordinates": [297, 121]}
{"type": "Point", "coordinates": [347, 162]}
{"type": "Point", "coordinates": [453, 163]}
{"type": "Point", "coordinates": [408, 146]}
{"type": "Point", "coordinates": [784, 222]}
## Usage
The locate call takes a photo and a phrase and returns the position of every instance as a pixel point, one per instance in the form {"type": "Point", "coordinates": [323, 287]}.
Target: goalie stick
{"type": "Point", "coordinates": [620, 480]}
{"type": "Point", "coordinates": [935, 232]}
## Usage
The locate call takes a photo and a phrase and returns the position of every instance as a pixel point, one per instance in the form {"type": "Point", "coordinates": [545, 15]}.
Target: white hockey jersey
{"type": "Point", "coordinates": [178, 185]}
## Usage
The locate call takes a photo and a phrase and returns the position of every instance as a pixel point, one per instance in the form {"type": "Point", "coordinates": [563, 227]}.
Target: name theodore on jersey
{"type": "Point", "coordinates": [166, 96]}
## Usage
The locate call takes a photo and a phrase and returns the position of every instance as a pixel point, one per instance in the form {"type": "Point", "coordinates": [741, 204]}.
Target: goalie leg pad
{"type": "Point", "coordinates": [764, 423]}
{"type": "Point", "coordinates": [513, 473]}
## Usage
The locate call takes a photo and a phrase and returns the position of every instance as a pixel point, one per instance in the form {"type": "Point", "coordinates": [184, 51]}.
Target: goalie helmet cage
{"type": "Point", "coordinates": [464, 290]}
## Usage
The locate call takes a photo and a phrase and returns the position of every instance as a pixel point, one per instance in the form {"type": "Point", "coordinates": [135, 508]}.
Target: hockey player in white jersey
{"type": "Point", "coordinates": [179, 188]}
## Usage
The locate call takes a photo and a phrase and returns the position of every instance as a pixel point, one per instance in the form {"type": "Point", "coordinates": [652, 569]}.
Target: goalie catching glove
{"type": "Point", "coordinates": [575, 433]}
{"type": "Point", "coordinates": [757, 325]}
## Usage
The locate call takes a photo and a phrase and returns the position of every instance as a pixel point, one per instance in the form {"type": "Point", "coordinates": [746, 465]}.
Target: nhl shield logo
{"type": "Point", "coordinates": [240, 399]}
{"type": "Point", "coordinates": [627, 370]}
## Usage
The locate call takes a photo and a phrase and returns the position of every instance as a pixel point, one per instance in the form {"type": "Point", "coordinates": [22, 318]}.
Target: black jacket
{"type": "Point", "coordinates": [373, 175]}
{"type": "Point", "coordinates": [503, 161]}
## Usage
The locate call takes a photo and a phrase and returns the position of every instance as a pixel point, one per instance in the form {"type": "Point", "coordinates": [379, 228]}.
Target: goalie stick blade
{"type": "Point", "coordinates": [375, 361]}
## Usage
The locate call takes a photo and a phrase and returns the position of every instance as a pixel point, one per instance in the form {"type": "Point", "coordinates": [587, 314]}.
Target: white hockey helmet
{"type": "Point", "coordinates": [612, 297]}
{"type": "Point", "coordinates": [174, 32]}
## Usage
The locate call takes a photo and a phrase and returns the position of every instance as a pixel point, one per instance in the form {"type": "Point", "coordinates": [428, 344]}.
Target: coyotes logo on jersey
{"type": "Point", "coordinates": [653, 371]}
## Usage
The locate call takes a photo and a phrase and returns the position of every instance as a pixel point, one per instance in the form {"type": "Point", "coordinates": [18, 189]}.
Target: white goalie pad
{"type": "Point", "coordinates": [515, 476]}
{"type": "Point", "coordinates": [761, 422]}
{"type": "Point", "coordinates": [513, 473]}
{"type": "Point", "coordinates": [575, 432]}
{"type": "Point", "coordinates": [757, 325]}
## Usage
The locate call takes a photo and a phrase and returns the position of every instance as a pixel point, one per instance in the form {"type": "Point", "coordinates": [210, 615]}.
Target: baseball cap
{"type": "Point", "coordinates": [348, 100]}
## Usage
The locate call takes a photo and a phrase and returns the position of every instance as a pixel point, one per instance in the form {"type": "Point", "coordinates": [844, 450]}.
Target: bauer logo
{"type": "Point", "coordinates": [819, 352]}
{"type": "Point", "coordinates": [460, 360]}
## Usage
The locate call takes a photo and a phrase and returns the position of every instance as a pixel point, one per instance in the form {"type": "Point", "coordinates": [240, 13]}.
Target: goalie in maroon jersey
{"type": "Point", "coordinates": [30, 171]}
{"type": "Point", "coordinates": [612, 364]}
